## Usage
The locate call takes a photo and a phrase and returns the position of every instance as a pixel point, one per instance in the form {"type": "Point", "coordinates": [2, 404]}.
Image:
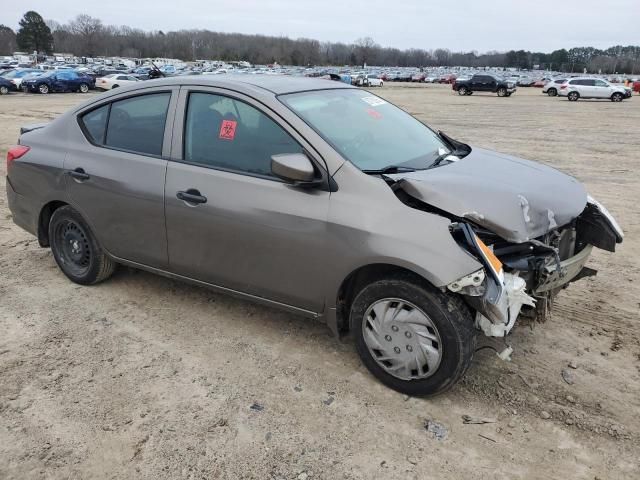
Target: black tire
{"type": "Point", "coordinates": [573, 96]}
{"type": "Point", "coordinates": [463, 90]}
{"type": "Point", "coordinates": [502, 92]}
{"type": "Point", "coordinates": [43, 88]}
{"type": "Point", "coordinates": [552, 92]}
{"type": "Point", "coordinates": [76, 250]}
{"type": "Point", "coordinates": [4, 90]}
{"type": "Point", "coordinates": [448, 314]}
{"type": "Point", "coordinates": [83, 88]}
{"type": "Point", "coordinates": [617, 97]}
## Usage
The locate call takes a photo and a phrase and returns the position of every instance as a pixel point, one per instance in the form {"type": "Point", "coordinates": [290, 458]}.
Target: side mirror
{"type": "Point", "coordinates": [295, 168]}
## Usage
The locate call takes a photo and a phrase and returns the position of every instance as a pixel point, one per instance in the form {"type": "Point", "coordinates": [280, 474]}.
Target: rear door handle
{"type": "Point", "coordinates": [78, 174]}
{"type": "Point", "coordinates": [191, 196]}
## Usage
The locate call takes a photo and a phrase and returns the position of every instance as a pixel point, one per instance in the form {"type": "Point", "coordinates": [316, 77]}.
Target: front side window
{"type": "Point", "coordinates": [601, 83]}
{"type": "Point", "coordinates": [224, 133]}
{"type": "Point", "coordinates": [137, 124]}
{"type": "Point", "coordinates": [366, 130]}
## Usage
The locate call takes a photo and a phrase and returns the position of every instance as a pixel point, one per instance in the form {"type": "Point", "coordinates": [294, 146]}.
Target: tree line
{"type": "Point", "coordinates": [86, 36]}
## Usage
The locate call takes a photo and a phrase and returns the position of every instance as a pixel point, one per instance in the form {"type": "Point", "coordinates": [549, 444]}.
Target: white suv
{"type": "Point", "coordinates": [576, 88]}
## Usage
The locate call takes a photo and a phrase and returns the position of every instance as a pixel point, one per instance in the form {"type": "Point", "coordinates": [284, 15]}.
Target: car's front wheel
{"type": "Point", "coordinates": [412, 337]}
{"type": "Point", "coordinates": [502, 92]}
{"type": "Point", "coordinates": [463, 90]}
{"type": "Point", "coordinates": [84, 88]}
{"type": "Point", "coordinates": [43, 88]}
{"type": "Point", "coordinates": [573, 96]}
{"type": "Point", "coordinates": [552, 92]}
{"type": "Point", "coordinates": [76, 250]}
{"type": "Point", "coordinates": [617, 97]}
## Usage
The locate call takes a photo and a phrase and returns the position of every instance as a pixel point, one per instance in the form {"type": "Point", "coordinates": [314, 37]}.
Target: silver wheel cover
{"type": "Point", "coordinates": [402, 339]}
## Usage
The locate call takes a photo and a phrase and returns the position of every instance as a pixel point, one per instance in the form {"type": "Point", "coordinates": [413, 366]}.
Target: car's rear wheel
{"type": "Point", "coordinates": [412, 337]}
{"type": "Point", "coordinates": [617, 97]}
{"type": "Point", "coordinates": [76, 250]}
{"type": "Point", "coordinates": [573, 96]}
{"type": "Point", "coordinates": [4, 90]}
{"type": "Point", "coordinates": [84, 88]}
{"type": "Point", "coordinates": [463, 91]}
{"type": "Point", "coordinates": [552, 92]}
{"type": "Point", "coordinates": [43, 88]}
{"type": "Point", "coordinates": [502, 92]}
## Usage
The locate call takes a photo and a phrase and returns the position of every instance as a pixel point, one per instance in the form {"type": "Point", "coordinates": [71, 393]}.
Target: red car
{"type": "Point", "coordinates": [636, 86]}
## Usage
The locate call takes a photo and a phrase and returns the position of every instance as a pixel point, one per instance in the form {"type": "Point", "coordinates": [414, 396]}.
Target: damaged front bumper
{"type": "Point", "coordinates": [531, 273]}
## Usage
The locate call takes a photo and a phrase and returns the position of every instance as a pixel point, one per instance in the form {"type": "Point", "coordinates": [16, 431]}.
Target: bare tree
{"type": "Point", "coordinates": [88, 29]}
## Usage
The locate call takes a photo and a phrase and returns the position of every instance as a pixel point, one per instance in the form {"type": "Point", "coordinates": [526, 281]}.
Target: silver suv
{"type": "Point", "coordinates": [552, 86]}
{"type": "Point", "coordinates": [576, 88]}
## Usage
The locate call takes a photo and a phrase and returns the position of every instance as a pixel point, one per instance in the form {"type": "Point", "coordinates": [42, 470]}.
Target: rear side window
{"type": "Point", "coordinates": [228, 134]}
{"type": "Point", "coordinates": [135, 124]}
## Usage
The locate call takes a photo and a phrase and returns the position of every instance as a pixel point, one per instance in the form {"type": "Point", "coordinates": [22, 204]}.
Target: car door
{"type": "Point", "coordinates": [116, 166]}
{"type": "Point", "coordinates": [480, 83]}
{"type": "Point", "coordinates": [59, 81]}
{"type": "Point", "coordinates": [602, 89]}
{"type": "Point", "coordinates": [587, 88]}
{"type": "Point", "coordinates": [491, 84]}
{"type": "Point", "coordinates": [248, 231]}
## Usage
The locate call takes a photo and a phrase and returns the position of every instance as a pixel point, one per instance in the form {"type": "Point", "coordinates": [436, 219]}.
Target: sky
{"type": "Point", "coordinates": [459, 25]}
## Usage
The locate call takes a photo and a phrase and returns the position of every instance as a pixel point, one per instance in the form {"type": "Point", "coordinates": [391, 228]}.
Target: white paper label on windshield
{"type": "Point", "coordinates": [373, 101]}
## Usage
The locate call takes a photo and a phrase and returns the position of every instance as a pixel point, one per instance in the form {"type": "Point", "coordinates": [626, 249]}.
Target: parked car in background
{"type": "Point", "coordinates": [418, 77]}
{"type": "Point", "coordinates": [6, 86]}
{"type": "Point", "coordinates": [593, 88]}
{"type": "Point", "coordinates": [59, 81]}
{"type": "Point", "coordinates": [484, 83]}
{"type": "Point", "coordinates": [372, 80]}
{"type": "Point", "coordinates": [16, 76]}
{"type": "Point", "coordinates": [636, 86]}
{"type": "Point", "coordinates": [525, 82]}
{"type": "Point", "coordinates": [552, 86]}
{"type": "Point", "coordinates": [258, 186]}
{"type": "Point", "coordinates": [115, 80]}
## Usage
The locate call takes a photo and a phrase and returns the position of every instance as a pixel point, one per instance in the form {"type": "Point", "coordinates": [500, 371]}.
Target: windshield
{"type": "Point", "coordinates": [366, 130]}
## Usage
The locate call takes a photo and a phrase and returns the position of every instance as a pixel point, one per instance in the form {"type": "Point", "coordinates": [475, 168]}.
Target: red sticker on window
{"type": "Point", "coordinates": [228, 129]}
{"type": "Point", "coordinates": [374, 113]}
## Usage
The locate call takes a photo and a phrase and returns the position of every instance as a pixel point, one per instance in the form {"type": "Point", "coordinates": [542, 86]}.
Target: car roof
{"type": "Point", "coordinates": [277, 84]}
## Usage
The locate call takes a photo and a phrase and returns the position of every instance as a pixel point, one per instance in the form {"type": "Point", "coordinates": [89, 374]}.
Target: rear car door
{"type": "Point", "coordinates": [249, 231]}
{"type": "Point", "coordinates": [480, 83]}
{"type": "Point", "coordinates": [116, 167]}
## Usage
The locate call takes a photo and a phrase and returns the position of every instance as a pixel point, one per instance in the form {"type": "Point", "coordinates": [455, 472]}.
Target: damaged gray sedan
{"type": "Point", "coordinates": [314, 197]}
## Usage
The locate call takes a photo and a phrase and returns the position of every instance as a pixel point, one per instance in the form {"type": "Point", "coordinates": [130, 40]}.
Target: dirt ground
{"type": "Point", "coordinates": [145, 377]}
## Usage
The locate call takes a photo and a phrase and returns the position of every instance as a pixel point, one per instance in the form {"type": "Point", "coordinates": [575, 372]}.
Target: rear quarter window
{"type": "Point", "coordinates": [95, 124]}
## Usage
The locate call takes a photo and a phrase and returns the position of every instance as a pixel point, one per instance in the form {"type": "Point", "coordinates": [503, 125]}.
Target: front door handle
{"type": "Point", "coordinates": [79, 174]}
{"type": "Point", "coordinates": [191, 196]}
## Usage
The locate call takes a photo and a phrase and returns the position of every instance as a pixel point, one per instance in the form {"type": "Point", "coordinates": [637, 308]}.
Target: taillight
{"type": "Point", "coordinates": [15, 153]}
{"type": "Point", "coordinates": [562, 87]}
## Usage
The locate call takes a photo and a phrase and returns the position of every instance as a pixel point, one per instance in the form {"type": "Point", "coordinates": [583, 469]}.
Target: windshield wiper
{"type": "Point", "coordinates": [389, 169]}
{"type": "Point", "coordinates": [443, 157]}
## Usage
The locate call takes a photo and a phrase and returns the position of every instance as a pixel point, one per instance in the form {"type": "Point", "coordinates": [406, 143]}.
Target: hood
{"type": "Point", "coordinates": [515, 198]}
